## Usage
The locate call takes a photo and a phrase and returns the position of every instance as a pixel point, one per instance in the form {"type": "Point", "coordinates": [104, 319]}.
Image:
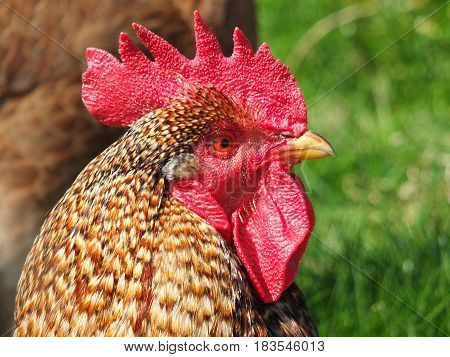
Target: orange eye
{"type": "Point", "coordinates": [223, 143]}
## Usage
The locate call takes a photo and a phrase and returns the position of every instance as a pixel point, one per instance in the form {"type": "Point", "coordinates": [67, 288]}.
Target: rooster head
{"type": "Point", "coordinates": [235, 174]}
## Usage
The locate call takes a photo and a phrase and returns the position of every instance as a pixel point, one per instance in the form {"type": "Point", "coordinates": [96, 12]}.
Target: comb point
{"type": "Point", "coordinates": [206, 43]}
{"type": "Point", "coordinates": [128, 51]}
{"type": "Point", "coordinates": [163, 52]}
{"type": "Point", "coordinates": [123, 36]}
{"type": "Point", "coordinates": [241, 42]}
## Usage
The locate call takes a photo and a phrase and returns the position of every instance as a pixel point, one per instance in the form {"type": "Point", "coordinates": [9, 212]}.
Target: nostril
{"type": "Point", "coordinates": [286, 134]}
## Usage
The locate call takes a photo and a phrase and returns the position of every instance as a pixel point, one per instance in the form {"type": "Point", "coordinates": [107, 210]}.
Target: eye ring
{"type": "Point", "coordinates": [223, 144]}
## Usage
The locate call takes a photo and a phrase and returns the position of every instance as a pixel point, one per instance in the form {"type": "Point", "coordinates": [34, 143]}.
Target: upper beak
{"type": "Point", "coordinates": [309, 146]}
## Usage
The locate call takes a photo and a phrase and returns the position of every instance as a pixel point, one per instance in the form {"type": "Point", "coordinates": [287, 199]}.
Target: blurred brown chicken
{"type": "Point", "coordinates": [46, 136]}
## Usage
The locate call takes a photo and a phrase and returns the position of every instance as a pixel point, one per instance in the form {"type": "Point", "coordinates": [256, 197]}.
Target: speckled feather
{"type": "Point", "coordinates": [117, 256]}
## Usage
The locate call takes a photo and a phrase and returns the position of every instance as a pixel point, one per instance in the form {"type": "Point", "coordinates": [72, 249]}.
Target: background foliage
{"type": "Point", "coordinates": [380, 247]}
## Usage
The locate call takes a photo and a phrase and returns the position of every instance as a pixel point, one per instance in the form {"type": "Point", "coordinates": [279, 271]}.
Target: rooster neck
{"type": "Point", "coordinates": [192, 261]}
{"type": "Point", "coordinates": [138, 263]}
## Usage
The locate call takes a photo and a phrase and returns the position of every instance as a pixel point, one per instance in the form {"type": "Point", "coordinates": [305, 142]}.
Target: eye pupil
{"type": "Point", "coordinates": [225, 143]}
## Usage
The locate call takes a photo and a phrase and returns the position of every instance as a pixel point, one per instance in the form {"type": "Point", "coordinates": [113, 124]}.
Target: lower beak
{"type": "Point", "coordinates": [309, 146]}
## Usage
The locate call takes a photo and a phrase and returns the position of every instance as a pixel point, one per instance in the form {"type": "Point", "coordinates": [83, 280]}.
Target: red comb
{"type": "Point", "coordinates": [119, 92]}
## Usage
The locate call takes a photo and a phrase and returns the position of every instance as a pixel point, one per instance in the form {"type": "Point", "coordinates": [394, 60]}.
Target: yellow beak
{"type": "Point", "coordinates": [309, 146]}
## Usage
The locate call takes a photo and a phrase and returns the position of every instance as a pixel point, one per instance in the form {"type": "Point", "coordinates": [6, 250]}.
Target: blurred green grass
{"type": "Point", "coordinates": [383, 203]}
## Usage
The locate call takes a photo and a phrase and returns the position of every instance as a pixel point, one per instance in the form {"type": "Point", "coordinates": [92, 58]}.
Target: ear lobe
{"type": "Point", "coordinates": [181, 167]}
{"type": "Point", "coordinates": [192, 195]}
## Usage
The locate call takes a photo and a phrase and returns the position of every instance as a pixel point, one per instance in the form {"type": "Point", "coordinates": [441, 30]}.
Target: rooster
{"type": "Point", "coordinates": [190, 224]}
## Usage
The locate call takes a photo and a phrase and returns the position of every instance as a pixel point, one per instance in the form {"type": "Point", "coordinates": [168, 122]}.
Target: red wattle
{"type": "Point", "coordinates": [193, 196]}
{"type": "Point", "coordinates": [271, 230]}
